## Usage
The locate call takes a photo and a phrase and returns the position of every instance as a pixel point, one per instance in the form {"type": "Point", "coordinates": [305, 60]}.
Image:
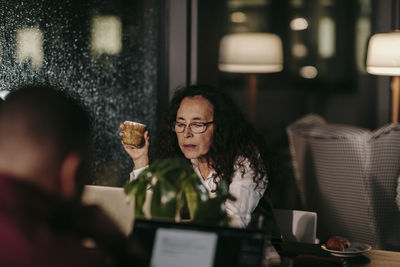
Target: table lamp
{"type": "Point", "coordinates": [251, 53]}
{"type": "Point", "coordinates": [383, 58]}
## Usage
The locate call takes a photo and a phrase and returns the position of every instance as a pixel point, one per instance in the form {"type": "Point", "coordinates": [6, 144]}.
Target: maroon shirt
{"type": "Point", "coordinates": [38, 229]}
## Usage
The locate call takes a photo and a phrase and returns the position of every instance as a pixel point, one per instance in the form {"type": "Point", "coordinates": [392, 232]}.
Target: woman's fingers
{"type": "Point", "coordinates": [146, 136]}
{"type": "Point", "coordinates": [122, 127]}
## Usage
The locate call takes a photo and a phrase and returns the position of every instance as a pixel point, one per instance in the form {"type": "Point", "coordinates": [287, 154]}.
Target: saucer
{"type": "Point", "coordinates": [356, 249]}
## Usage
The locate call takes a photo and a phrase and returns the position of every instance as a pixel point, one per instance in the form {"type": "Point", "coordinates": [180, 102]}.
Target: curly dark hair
{"type": "Point", "coordinates": [234, 140]}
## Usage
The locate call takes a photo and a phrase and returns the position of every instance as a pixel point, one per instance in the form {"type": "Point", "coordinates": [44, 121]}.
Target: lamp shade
{"type": "Point", "coordinates": [383, 56]}
{"type": "Point", "coordinates": [250, 53]}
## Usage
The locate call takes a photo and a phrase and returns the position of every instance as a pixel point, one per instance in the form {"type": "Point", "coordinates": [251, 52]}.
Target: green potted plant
{"type": "Point", "coordinates": [176, 186]}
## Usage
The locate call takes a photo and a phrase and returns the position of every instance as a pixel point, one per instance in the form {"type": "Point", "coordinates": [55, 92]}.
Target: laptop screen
{"type": "Point", "coordinates": [184, 244]}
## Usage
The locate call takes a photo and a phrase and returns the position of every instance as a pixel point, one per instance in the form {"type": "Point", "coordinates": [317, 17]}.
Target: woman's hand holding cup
{"type": "Point", "coordinates": [135, 140]}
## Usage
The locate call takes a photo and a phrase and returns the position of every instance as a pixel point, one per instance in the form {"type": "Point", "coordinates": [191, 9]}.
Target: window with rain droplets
{"type": "Point", "coordinates": [104, 52]}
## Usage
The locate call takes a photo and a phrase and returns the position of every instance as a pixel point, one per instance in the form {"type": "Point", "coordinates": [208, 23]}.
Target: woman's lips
{"type": "Point", "coordinates": [189, 146]}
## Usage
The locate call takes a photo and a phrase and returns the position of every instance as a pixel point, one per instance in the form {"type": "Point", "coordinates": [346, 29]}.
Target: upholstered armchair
{"type": "Point", "coordinates": [348, 175]}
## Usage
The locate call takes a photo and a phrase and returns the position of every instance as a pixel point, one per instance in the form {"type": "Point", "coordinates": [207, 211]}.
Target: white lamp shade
{"type": "Point", "coordinates": [251, 53]}
{"type": "Point", "coordinates": [383, 56]}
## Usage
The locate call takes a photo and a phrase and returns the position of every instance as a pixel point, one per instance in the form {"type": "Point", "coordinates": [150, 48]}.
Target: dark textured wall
{"type": "Point", "coordinates": [114, 87]}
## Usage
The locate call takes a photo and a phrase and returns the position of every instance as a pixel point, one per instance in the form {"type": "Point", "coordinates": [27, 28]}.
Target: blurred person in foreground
{"type": "Point", "coordinates": [204, 126]}
{"type": "Point", "coordinates": [44, 152]}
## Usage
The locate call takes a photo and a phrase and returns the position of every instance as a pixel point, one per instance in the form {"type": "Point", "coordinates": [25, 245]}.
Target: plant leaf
{"type": "Point", "coordinates": [139, 191]}
{"type": "Point", "coordinates": [193, 193]}
{"type": "Point", "coordinates": [174, 183]}
{"type": "Point", "coordinates": [163, 203]}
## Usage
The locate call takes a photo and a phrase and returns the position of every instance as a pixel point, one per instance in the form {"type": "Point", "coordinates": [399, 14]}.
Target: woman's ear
{"type": "Point", "coordinates": [68, 173]}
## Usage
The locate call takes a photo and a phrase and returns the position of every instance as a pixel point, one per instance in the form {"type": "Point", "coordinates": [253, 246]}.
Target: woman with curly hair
{"type": "Point", "coordinates": [204, 126]}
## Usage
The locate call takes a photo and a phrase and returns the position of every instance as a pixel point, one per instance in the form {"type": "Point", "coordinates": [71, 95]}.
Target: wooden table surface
{"type": "Point", "coordinates": [382, 258]}
{"type": "Point", "coordinates": [310, 252]}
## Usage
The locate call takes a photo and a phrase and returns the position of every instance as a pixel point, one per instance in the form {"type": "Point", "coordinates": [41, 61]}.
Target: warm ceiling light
{"type": "Point", "coordinates": [251, 53]}
{"type": "Point", "coordinates": [383, 58]}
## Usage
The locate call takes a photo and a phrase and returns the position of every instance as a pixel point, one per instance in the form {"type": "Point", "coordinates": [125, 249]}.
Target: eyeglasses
{"type": "Point", "coordinates": [195, 127]}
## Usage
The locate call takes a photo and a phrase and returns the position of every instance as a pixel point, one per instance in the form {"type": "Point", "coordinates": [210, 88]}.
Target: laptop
{"type": "Point", "coordinates": [112, 200]}
{"type": "Point", "coordinates": [185, 244]}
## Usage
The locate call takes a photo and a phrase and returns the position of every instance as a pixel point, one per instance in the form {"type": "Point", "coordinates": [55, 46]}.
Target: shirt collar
{"type": "Point", "coordinates": [197, 171]}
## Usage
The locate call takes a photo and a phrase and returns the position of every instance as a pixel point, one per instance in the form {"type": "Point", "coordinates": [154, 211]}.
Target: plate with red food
{"type": "Point", "coordinates": [342, 247]}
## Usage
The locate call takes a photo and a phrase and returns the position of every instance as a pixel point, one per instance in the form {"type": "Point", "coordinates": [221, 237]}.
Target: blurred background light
{"type": "Point", "coordinates": [299, 50]}
{"type": "Point", "coordinates": [363, 32]}
{"type": "Point", "coordinates": [326, 37]}
{"type": "Point", "coordinates": [106, 34]}
{"type": "Point", "coordinates": [238, 17]}
{"type": "Point", "coordinates": [3, 94]}
{"type": "Point", "coordinates": [29, 42]}
{"type": "Point", "coordinates": [297, 3]}
{"type": "Point", "coordinates": [298, 24]}
{"type": "Point", "coordinates": [308, 72]}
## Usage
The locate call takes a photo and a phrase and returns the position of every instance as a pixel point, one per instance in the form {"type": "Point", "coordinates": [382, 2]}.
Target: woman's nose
{"type": "Point", "coordinates": [187, 132]}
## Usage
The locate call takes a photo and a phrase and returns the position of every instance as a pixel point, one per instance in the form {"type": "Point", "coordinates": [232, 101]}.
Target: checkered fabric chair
{"type": "Point", "coordinates": [348, 175]}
